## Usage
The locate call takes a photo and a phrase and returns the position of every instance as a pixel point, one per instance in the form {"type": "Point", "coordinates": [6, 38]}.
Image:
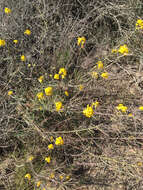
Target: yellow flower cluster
{"type": "Point", "coordinates": [30, 158]}
{"type": "Point", "coordinates": [95, 104]}
{"type": "Point", "coordinates": [41, 78]}
{"type": "Point", "coordinates": [49, 91]}
{"type": "Point", "coordinates": [48, 159]}
{"type": "Point", "coordinates": [63, 72]}
{"type": "Point", "coordinates": [81, 41]}
{"type": "Point", "coordinates": [139, 24]}
{"type": "Point", "coordinates": [141, 108]}
{"type": "Point", "coordinates": [59, 141]}
{"type": "Point", "coordinates": [99, 65]}
{"type": "Point", "coordinates": [7, 10]}
{"type": "Point", "coordinates": [50, 146]}
{"type": "Point", "coordinates": [28, 176]}
{"type": "Point", "coordinates": [2, 42]}
{"type": "Point", "coordinates": [40, 95]}
{"type": "Point", "coordinates": [27, 32]}
{"type": "Point", "coordinates": [66, 93]}
{"type": "Point", "coordinates": [58, 105]}
{"type": "Point", "coordinates": [23, 58]}
{"type": "Point", "coordinates": [122, 108]}
{"type": "Point", "coordinates": [15, 41]}
{"type": "Point", "coordinates": [88, 111]}
{"type": "Point", "coordinates": [10, 92]}
{"type": "Point", "coordinates": [123, 49]}
{"type": "Point", "coordinates": [38, 183]}
{"type": "Point", "coordinates": [57, 76]}
{"type": "Point", "coordinates": [105, 75]}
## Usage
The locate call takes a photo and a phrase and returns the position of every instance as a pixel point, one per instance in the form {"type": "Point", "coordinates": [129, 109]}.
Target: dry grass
{"type": "Point", "coordinates": [102, 152]}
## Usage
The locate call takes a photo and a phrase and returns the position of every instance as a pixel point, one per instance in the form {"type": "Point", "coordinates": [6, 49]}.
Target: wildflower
{"type": "Point", "coordinates": [122, 107]}
{"type": "Point", "coordinates": [23, 58]}
{"type": "Point", "coordinates": [28, 176]}
{"type": "Point", "coordinates": [40, 79]}
{"type": "Point", "coordinates": [40, 95]}
{"type": "Point", "coordinates": [57, 76]}
{"type": "Point", "coordinates": [81, 41]}
{"type": "Point", "coordinates": [10, 92]}
{"type": "Point", "coordinates": [50, 75]}
{"type": "Point", "coordinates": [139, 164]}
{"type": "Point", "coordinates": [27, 32]}
{"type": "Point", "coordinates": [52, 175]}
{"type": "Point", "coordinates": [30, 158]}
{"type": "Point", "coordinates": [88, 111]}
{"type": "Point", "coordinates": [81, 87]}
{"type": "Point", "coordinates": [100, 65]}
{"type": "Point", "coordinates": [139, 24]}
{"type": "Point", "coordinates": [48, 159]}
{"type": "Point", "coordinates": [94, 74]}
{"type": "Point", "coordinates": [51, 139]}
{"type": "Point", "coordinates": [66, 93]}
{"type": "Point", "coordinates": [105, 75]}
{"type": "Point", "coordinates": [50, 146]}
{"type": "Point", "coordinates": [123, 49]}
{"type": "Point", "coordinates": [7, 10]}
{"type": "Point", "coordinates": [49, 91]}
{"type": "Point", "coordinates": [114, 51]}
{"type": "Point", "coordinates": [58, 105]}
{"type": "Point", "coordinates": [63, 72]}
{"type": "Point", "coordinates": [38, 183]}
{"type": "Point", "coordinates": [2, 43]}
{"type": "Point", "coordinates": [141, 108]}
{"type": "Point", "coordinates": [61, 177]}
{"type": "Point", "coordinates": [130, 115]}
{"type": "Point", "coordinates": [15, 41]}
{"type": "Point", "coordinates": [59, 141]}
{"type": "Point", "coordinates": [67, 177]}
{"type": "Point", "coordinates": [95, 104]}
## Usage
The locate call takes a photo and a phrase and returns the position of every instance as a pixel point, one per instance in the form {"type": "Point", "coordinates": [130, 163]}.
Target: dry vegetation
{"type": "Point", "coordinates": [103, 151]}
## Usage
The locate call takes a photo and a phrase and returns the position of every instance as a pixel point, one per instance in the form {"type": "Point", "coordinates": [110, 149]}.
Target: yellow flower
{"type": "Point", "coordinates": [50, 147]}
{"type": "Point", "coordinates": [57, 76]}
{"type": "Point", "coordinates": [51, 139]}
{"type": "Point", "coordinates": [63, 72]}
{"type": "Point", "coordinates": [139, 24]}
{"type": "Point", "coordinates": [141, 108]}
{"type": "Point", "coordinates": [130, 115]}
{"type": "Point", "coordinates": [81, 87]}
{"type": "Point", "coordinates": [2, 43]}
{"type": "Point", "coordinates": [7, 10]}
{"type": "Point", "coordinates": [52, 175]}
{"type": "Point", "coordinates": [48, 159]}
{"type": "Point", "coordinates": [66, 93]}
{"type": "Point", "coordinates": [100, 64]}
{"type": "Point", "coordinates": [122, 108]}
{"type": "Point", "coordinates": [28, 176]}
{"type": "Point", "coordinates": [40, 79]}
{"type": "Point", "coordinates": [23, 58]}
{"type": "Point", "coordinates": [10, 92]}
{"type": "Point", "coordinates": [123, 49]}
{"type": "Point", "coordinates": [40, 95]}
{"type": "Point", "coordinates": [58, 105]}
{"type": "Point", "coordinates": [49, 91]}
{"type": "Point", "coordinates": [30, 158]}
{"type": "Point", "coordinates": [114, 51]}
{"type": "Point", "coordinates": [29, 65]}
{"type": "Point", "coordinates": [139, 164]}
{"type": "Point", "coordinates": [81, 41]}
{"type": "Point", "coordinates": [61, 177]}
{"type": "Point", "coordinates": [105, 75]}
{"type": "Point", "coordinates": [50, 75]}
{"type": "Point", "coordinates": [88, 111]}
{"type": "Point", "coordinates": [67, 177]}
{"type": "Point", "coordinates": [59, 141]}
{"type": "Point", "coordinates": [94, 74]}
{"type": "Point", "coordinates": [95, 104]}
{"type": "Point", "coordinates": [38, 183]}
{"type": "Point", "coordinates": [15, 41]}
{"type": "Point", "coordinates": [27, 32]}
